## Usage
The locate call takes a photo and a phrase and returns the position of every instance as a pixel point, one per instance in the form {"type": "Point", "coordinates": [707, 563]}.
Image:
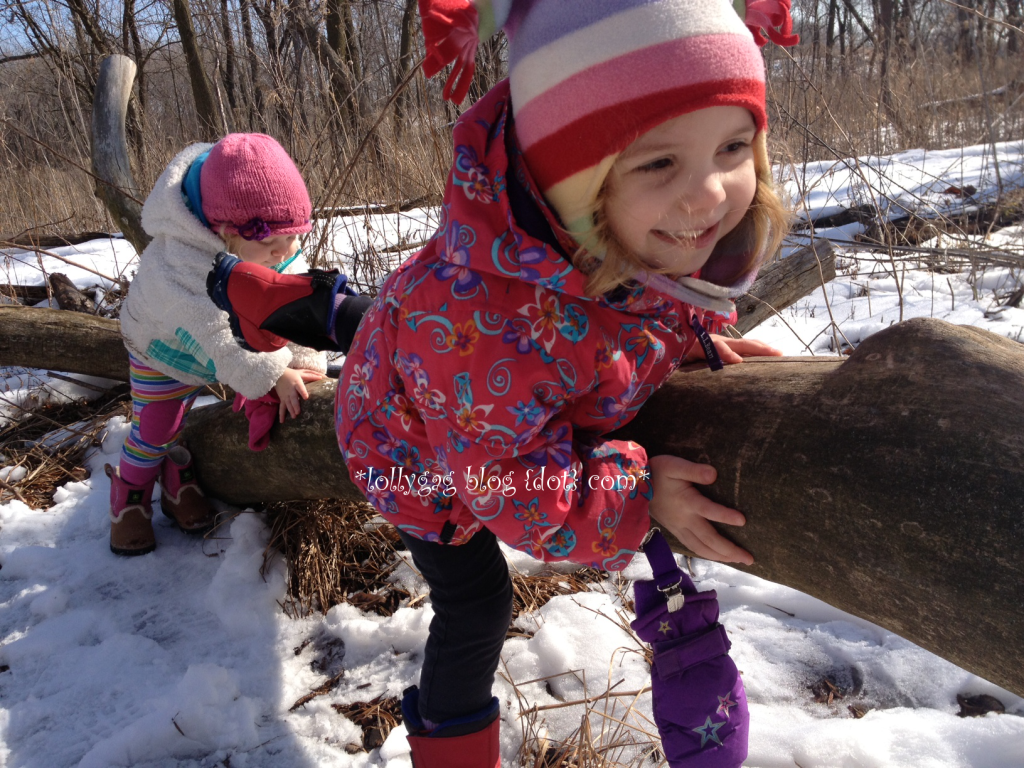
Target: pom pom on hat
{"type": "Point", "coordinates": [251, 187]}
{"type": "Point", "coordinates": [766, 15]}
{"type": "Point", "coordinates": [452, 30]}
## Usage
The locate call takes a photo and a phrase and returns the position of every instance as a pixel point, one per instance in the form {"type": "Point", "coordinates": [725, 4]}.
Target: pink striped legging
{"type": "Point", "coordinates": [160, 405]}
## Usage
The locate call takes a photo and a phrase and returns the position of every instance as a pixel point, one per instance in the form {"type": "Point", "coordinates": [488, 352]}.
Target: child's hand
{"type": "Point", "coordinates": [291, 389]}
{"type": "Point", "coordinates": [734, 350]}
{"type": "Point", "coordinates": [686, 512]}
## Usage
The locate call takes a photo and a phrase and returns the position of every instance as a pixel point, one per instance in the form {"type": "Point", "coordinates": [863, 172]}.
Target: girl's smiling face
{"type": "Point", "coordinates": [682, 186]}
{"type": "Point", "coordinates": [268, 252]}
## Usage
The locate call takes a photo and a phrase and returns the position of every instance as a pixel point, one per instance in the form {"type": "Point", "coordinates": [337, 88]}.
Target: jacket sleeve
{"type": "Point", "coordinates": [499, 421]}
{"type": "Point", "coordinates": [253, 374]}
{"type": "Point", "coordinates": [304, 357]}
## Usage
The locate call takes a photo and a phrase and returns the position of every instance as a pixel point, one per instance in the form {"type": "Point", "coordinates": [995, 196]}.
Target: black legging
{"type": "Point", "coordinates": [471, 593]}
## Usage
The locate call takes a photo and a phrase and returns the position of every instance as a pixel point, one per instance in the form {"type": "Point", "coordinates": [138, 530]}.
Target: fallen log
{"type": "Point", "coordinates": [35, 339]}
{"type": "Point", "coordinates": [62, 341]}
{"type": "Point", "coordinates": [25, 294]}
{"type": "Point", "coordinates": [890, 486]}
{"type": "Point", "coordinates": [784, 282]}
{"type": "Point", "coordinates": [68, 296]}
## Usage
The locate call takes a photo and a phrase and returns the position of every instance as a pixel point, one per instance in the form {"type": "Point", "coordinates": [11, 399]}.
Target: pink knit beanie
{"type": "Point", "coordinates": [251, 187]}
{"type": "Point", "coordinates": [589, 77]}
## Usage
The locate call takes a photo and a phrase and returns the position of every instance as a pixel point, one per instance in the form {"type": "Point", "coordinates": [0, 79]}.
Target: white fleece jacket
{"type": "Point", "coordinates": [167, 298]}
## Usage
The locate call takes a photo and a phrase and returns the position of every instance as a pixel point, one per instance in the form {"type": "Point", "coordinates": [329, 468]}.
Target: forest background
{"type": "Point", "coordinates": [337, 82]}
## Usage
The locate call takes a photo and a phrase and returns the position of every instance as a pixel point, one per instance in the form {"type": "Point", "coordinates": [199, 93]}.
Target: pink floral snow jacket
{"type": "Point", "coordinates": [482, 379]}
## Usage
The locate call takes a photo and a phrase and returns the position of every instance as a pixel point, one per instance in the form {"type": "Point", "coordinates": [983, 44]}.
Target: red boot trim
{"type": "Point", "coordinates": [474, 750]}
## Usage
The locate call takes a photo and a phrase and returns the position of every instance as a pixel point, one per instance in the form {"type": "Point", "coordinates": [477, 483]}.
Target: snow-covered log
{"type": "Point", "coordinates": [890, 485]}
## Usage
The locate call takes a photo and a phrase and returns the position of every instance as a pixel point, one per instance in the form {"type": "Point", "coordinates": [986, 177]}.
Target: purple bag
{"type": "Point", "coordinates": [699, 704]}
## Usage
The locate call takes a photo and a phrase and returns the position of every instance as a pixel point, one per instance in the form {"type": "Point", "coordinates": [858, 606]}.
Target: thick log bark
{"type": "Point", "coordinates": [62, 341]}
{"type": "Point", "coordinates": [116, 186]}
{"type": "Point", "coordinates": [302, 460]}
{"type": "Point", "coordinates": [889, 486]}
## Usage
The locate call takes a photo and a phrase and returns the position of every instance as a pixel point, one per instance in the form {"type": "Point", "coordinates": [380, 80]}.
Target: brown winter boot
{"type": "Point", "coordinates": [131, 515]}
{"type": "Point", "coordinates": [181, 498]}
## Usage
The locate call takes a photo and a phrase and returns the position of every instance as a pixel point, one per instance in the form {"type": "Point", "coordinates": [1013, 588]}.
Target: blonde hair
{"type": "Point", "coordinates": [231, 241]}
{"type": "Point", "coordinates": [758, 236]}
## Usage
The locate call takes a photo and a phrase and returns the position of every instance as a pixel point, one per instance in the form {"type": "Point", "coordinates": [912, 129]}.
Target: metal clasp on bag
{"type": "Point", "coordinates": [647, 537]}
{"type": "Point", "coordinates": [674, 595]}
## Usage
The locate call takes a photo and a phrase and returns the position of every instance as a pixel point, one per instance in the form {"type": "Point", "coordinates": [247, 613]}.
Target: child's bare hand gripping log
{"type": "Point", "coordinates": [687, 514]}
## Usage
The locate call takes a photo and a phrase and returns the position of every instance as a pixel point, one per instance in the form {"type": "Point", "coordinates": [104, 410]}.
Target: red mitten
{"type": "Point", "coordinates": [451, 30]}
{"type": "Point", "coordinates": [261, 413]}
{"type": "Point", "coordinates": [771, 17]}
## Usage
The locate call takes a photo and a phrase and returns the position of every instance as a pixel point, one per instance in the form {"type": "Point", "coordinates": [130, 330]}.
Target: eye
{"type": "Point", "coordinates": [656, 165]}
{"type": "Point", "coordinates": [735, 146]}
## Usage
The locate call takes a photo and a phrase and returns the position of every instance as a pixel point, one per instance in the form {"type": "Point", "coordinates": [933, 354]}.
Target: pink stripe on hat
{"type": "Point", "coordinates": [616, 82]}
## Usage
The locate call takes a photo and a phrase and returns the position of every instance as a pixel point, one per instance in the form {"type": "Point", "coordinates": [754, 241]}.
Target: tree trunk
{"type": "Point", "coordinates": [118, 190]}
{"type": "Point", "coordinates": [888, 486]}
{"type": "Point", "coordinates": [1014, 18]}
{"type": "Point", "coordinates": [405, 64]}
{"type": "Point", "coordinates": [340, 63]}
{"type": "Point", "coordinates": [202, 92]}
{"type": "Point", "coordinates": [830, 33]}
{"type": "Point", "coordinates": [255, 101]}
{"type": "Point", "coordinates": [229, 54]}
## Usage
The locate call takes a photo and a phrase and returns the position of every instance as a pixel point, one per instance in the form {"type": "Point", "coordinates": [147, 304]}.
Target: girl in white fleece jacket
{"type": "Point", "coordinates": [244, 195]}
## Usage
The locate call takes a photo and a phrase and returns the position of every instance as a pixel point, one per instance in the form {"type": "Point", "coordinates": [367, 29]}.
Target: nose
{"type": "Point", "coordinates": [702, 191]}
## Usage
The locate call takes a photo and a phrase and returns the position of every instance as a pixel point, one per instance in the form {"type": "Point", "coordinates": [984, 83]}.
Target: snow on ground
{"type": "Point", "coordinates": [185, 658]}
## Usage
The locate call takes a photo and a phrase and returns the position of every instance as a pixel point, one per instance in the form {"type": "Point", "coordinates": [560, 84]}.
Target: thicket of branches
{"type": "Point", "coordinates": [337, 82]}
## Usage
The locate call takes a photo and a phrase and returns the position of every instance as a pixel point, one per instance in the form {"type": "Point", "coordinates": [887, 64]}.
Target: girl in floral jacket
{"type": "Point", "coordinates": [604, 204]}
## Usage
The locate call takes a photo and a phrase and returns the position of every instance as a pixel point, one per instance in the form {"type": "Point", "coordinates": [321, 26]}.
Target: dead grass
{"type": "Point", "coordinates": [41, 442]}
{"type": "Point", "coordinates": [337, 553]}
{"type": "Point", "coordinates": [377, 718]}
{"type": "Point", "coordinates": [530, 593]}
{"type": "Point", "coordinates": [612, 732]}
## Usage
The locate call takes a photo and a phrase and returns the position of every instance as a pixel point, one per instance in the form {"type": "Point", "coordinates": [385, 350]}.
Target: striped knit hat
{"type": "Point", "coordinates": [588, 77]}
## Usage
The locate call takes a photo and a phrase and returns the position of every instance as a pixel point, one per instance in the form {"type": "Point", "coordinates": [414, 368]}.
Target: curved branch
{"type": "Point", "coordinates": [110, 162]}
